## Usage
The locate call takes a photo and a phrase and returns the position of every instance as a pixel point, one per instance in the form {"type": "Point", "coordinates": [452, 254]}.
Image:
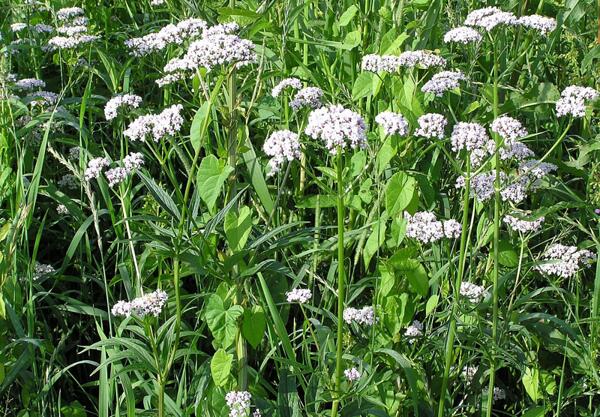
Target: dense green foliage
{"type": "Point", "coordinates": [203, 220]}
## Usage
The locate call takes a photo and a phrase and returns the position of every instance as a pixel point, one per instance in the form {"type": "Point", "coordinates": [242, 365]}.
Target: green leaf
{"type": "Point", "coordinates": [431, 304]}
{"type": "Point", "coordinates": [160, 195]}
{"type": "Point", "coordinates": [507, 256]}
{"type": "Point", "coordinates": [254, 325]}
{"type": "Point", "coordinates": [363, 86]}
{"type": "Point", "coordinates": [220, 367]}
{"type": "Point", "coordinates": [388, 280]}
{"type": "Point", "coordinates": [352, 40]}
{"type": "Point", "coordinates": [399, 192]}
{"type": "Point", "coordinates": [199, 123]}
{"type": "Point", "coordinates": [347, 16]}
{"type": "Point", "coordinates": [375, 240]}
{"type": "Point", "coordinates": [412, 269]}
{"type": "Point", "coordinates": [531, 382]}
{"type": "Point", "coordinates": [222, 322]}
{"type": "Point", "coordinates": [238, 227]}
{"type": "Point", "coordinates": [211, 176]}
{"type": "Point", "coordinates": [535, 412]}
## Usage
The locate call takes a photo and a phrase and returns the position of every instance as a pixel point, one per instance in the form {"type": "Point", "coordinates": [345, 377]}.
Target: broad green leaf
{"type": "Point", "coordinates": [238, 227]}
{"type": "Point", "coordinates": [531, 382]}
{"type": "Point", "coordinates": [388, 280]}
{"type": "Point", "coordinates": [212, 174]}
{"type": "Point", "coordinates": [412, 269]}
{"type": "Point", "coordinates": [352, 40]}
{"type": "Point", "coordinates": [199, 123]}
{"type": "Point", "coordinates": [399, 192]}
{"type": "Point", "coordinates": [220, 367]}
{"type": "Point", "coordinates": [507, 256]}
{"type": "Point", "coordinates": [535, 412]}
{"type": "Point", "coordinates": [347, 16]}
{"type": "Point", "coordinates": [254, 325]}
{"type": "Point", "coordinates": [431, 304]}
{"type": "Point", "coordinates": [222, 322]}
{"type": "Point", "coordinates": [375, 240]}
{"type": "Point", "coordinates": [363, 86]}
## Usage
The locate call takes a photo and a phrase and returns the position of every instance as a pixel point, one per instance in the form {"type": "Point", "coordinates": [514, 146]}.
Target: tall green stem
{"type": "Point", "coordinates": [341, 281]}
{"type": "Point", "coordinates": [461, 269]}
{"type": "Point", "coordinates": [496, 241]}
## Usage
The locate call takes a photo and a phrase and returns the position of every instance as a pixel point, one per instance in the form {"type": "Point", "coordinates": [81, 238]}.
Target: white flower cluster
{"type": "Point", "coordinates": [42, 98]}
{"type": "Point", "coordinates": [166, 123]}
{"type": "Point", "coordinates": [425, 227]}
{"type": "Point", "coordinates": [29, 84]}
{"type": "Point", "coordinates": [515, 150]}
{"type": "Point", "coordinates": [17, 27]}
{"type": "Point", "coordinates": [475, 293]}
{"type": "Point", "coordinates": [409, 59]}
{"type": "Point", "coordinates": [483, 186]}
{"type": "Point", "coordinates": [414, 331]}
{"type": "Point", "coordinates": [365, 315]}
{"type": "Point", "coordinates": [469, 372]}
{"type": "Point", "coordinates": [421, 58]}
{"type": "Point", "coordinates": [490, 17]}
{"type": "Point", "coordinates": [169, 35]}
{"type": "Point", "coordinates": [72, 30]}
{"type": "Point", "coordinates": [131, 162]}
{"type": "Point", "coordinates": [62, 209]}
{"type": "Point", "coordinates": [442, 82]}
{"type": "Point", "coordinates": [238, 403]}
{"type": "Point", "coordinates": [42, 28]}
{"type": "Point", "coordinates": [463, 35]}
{"type": "Point", "coordinates": [157, 2]}
{"type": "Point", "coordinates": [281, 146]}
{"type": "Point", "coordinates": [95, 167]}
{"type": "Point", "coordinates": [524, 226]}
{"type": "Point", "coordinates": [298, 295]}
{"type": "Point", "coordinates": [293, 83]}
{"type": "Point", "coordinates": [468, 136]}
{"type": "Point", "coordinates": [542, 24]}
{"type": "Point", "coordinates": [572, 100]}
{"type": "Point", "coordinates": [218, 46]}
{"type": "Point", "coordinates": [71, 42]}
{"type": "Point", "coordinates": [508, 128]}
{"type": "Point", "coordinates": [74, 152]}
{"type": "Point", "coordinates": [67, 13]}
{"type": "Point", "coordinates": [337, 127]}
{"type": "Point", "coordinates": [536, 170]}
{"type": "Point", "coordinates": [392, 123]}
{"type": "Point", "coordinates": [564, 261]}
{"type": "Point", "coordinates": [42, 269]}
{"type": "Point", "coordinates": [352, 374]}
{"type": "Point", "coordinates": [68, 181]}
{"type": "Point", "coordinates": [431, 125]}
{"type": "Point", "coordinates": [380, 63]}
{"type": "Point", "coordinates": [309, 97]}
{"type": "Point", "coordinates": [124, 100]}
{"type": "Point", "coordinates": [146, 305]}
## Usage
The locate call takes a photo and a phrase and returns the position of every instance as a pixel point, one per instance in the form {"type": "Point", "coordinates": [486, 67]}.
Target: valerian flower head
{"type": "Point", "coordinates": [490, 17]}
{"type": "Point", "coordinates": [392, 123]}
{"type": "Point", "coordinates": [462, 35]}
{"type": "Point", "coordinates": [309, 97]}
{"type": "Point", "coordinates": [29, 84]}
{"type": "Point", "coordinates": [116, 176]}
{"type": "Point", "coordinates": [519, 224]}
{"type": "Point", "coordinates": [365, 315]}
{"type": "Point", "coordinates": [414, 331]}
{"type": "Point", "coordinates": [239, 403]}
{"type": "Point", "coordinates": [282, 146]}
{"type": "Point", "coordinates": [431, 125]}
{"type": "Point", "coordinates": [95, 167]}
{"type": "Point", "coordinates": [150, 304]}
{"type": "Point", "coordinates": [166, 123]}
{"type": "Point", "coordinates": [564, 261]}
{"type": "Point", "coordinates": [572, 100]}
{"type": "Point", "coordinates": [542, 24]}
{"type": "Point", "coordinates": [442, 82]}
{"type": "Point", "coordinates": [125, 100]}
{"type": "Point", "coordinates": [508, 128]}
{"type": "Point", "coordinates": [67, 13]}
{"type": "Point", "coordinates": [468, 136]}
{"type": "Point", "coordinates": [380, 63]}
{"type": "Point", "coordinates": [337, 127]}
{"type": "Point", "coordinates": [352, 374]}
{"type": "Point", "coordinates": [169, 35]}
{"type": "Point", "coordinates": [474, 293]}
{"type": "Point", "coordinates": [424, 227]}
{"type": "Point", "coordinates": [298, 295]}
{"type": "Point", "coordinates": [421, 59]}
{"type": "Point", "coordinates": [293, 83]}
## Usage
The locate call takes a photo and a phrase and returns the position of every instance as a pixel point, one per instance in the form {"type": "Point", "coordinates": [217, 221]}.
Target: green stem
{"type": "Point", "coordinates": [496, 241]}
{"type": "Point", "coordinates": [341, 282]}
{"type": "Point", "coordinates": [461, 269]}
